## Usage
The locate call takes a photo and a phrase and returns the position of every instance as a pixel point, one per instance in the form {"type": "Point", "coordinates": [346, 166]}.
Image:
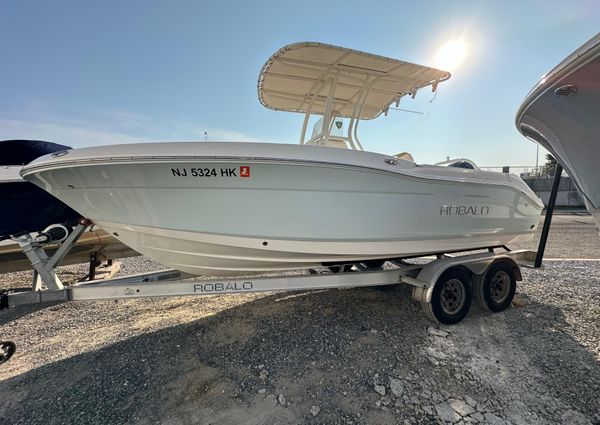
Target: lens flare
{"type": "Point", "coordinates": [451, 55]}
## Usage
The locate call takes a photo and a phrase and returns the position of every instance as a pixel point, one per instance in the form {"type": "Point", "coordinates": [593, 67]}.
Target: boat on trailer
{"type": "Point", "coordinates": [230, 208]}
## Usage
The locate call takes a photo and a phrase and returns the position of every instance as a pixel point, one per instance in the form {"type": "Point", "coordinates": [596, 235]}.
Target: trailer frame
{"type": "Point", "coordinates": [166, 283]}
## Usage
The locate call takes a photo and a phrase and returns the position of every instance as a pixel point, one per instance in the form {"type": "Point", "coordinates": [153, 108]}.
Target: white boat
{"type": "Point", "coordinates": [561, 113]}
{"type": "Point", "coordinates": [225, 208]}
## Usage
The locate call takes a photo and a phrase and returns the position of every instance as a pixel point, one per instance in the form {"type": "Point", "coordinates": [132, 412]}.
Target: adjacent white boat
{"type": "Point", "coordinates": [561, 113]}
{"type": "Point", "coordinates": [221, 208]}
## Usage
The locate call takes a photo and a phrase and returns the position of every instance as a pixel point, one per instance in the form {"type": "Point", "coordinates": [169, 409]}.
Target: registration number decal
{"type": "Point", "coordinates": [242, 171]}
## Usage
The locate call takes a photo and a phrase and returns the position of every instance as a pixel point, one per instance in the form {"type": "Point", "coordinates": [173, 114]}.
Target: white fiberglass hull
{"type": "Point", "coordinates": [561, 114]}
{"type": "Point", "coordinates": [228, 207]}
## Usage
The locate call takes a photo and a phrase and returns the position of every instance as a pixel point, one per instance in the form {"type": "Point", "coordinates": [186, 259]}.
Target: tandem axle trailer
{"type": "Point", "coordinates": [445, 286]}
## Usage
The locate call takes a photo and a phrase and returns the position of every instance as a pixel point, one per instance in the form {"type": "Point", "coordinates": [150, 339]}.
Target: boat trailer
{"type": "Point", "coordinates": [445, 286]}
{"type": "Point", "coordinates": [442, 285]}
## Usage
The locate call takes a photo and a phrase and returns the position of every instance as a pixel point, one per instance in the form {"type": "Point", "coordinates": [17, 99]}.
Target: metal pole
{"type": "Point", "coordinates": [548, 219]}
{"type": "Point", "coordinates": [93, 264]}
{"type": "Point", "coordinates": [327, 115]}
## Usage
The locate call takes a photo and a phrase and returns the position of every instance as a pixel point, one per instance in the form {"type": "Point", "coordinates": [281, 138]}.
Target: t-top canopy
{"type": "Point", "coordinates": [302, 77]}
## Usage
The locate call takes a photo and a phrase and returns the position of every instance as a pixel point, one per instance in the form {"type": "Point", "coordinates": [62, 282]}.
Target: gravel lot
{"type": "Point", "coordinates": [355, 356]}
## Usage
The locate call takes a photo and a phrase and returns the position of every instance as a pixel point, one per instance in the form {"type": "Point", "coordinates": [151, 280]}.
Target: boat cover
{"type": "Point", "coordinates": [300, 73]}
{"type": "Point", "coordinates": [25, 207]}
{"type": "Point", "coordinates": [21, 152]}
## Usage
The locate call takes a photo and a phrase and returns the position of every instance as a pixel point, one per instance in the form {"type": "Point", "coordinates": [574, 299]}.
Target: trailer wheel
{"type": "Point", "coordinates": [451, 297]}
{"type": "Point", "coordinates": [495, 289]}
{"type": "Point", "coordinates": [7, 349]}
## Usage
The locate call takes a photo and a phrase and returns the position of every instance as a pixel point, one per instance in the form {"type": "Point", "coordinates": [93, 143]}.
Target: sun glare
{"type": "Point", "coordinates": [451, 55]}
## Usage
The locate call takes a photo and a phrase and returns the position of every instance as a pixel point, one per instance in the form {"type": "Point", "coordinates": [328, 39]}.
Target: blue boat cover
{"type": "Point", "coordinates": [24, 207]}
{"type": "Point", "coordinates": [21, 152]}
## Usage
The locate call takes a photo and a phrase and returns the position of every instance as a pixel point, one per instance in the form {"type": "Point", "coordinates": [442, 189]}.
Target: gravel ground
{"type": "Point", "coordinates": [355, 356]}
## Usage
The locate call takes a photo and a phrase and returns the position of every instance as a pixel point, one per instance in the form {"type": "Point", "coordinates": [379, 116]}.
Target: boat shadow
{"type": "Point", "coordinates": [317, 347]}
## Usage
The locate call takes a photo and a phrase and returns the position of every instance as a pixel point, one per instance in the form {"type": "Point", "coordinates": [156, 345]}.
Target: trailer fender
{"type": "Point", "coordinates": [474, 265]}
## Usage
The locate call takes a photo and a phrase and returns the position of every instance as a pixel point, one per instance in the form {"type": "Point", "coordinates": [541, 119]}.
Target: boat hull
{"type": "Point", "coordinates": [204, 216]}
{"type": "Point", "coordinates": [200, 253]}
{"type": "Point", "coordinates": [561, 114]}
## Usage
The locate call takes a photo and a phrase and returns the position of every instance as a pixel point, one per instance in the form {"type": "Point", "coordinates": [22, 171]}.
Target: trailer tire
{"type": "Point", "coordinates": [450, 298]}
{"type": "Point", "coordinates": [495, 289]}
{"type": "Point", "coordinates": [7, 349]}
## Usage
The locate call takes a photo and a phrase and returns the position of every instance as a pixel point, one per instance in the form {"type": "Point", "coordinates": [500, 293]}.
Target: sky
{"type": "Point", "coordinates": [95, 73]}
